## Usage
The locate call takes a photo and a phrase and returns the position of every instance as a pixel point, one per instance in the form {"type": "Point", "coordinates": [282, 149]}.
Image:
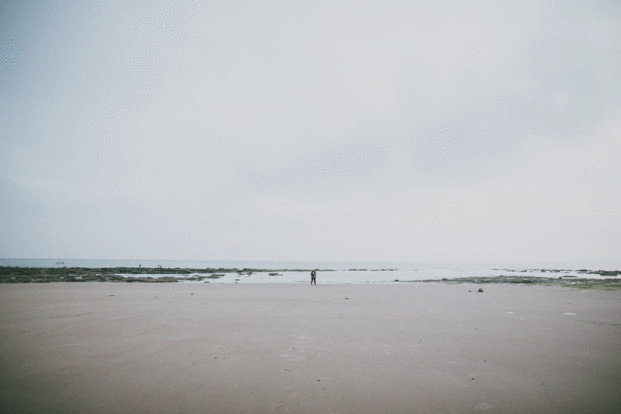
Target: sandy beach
{"type": "Point", "coordinates": [278, 348]}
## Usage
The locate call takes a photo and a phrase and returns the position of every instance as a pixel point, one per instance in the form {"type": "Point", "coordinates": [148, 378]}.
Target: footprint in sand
{"type": "Point", "coordinates": [483, 407]}
{"type": "Point", "coordinates": [297, 352]}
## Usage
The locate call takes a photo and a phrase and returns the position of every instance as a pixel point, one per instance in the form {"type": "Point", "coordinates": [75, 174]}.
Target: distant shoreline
{"type": "Point", "coordinates": [139, 274]}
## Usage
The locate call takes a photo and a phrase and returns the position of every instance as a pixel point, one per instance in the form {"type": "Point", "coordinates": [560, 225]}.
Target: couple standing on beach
{"type": "Point", "coordinates": [313, 277]}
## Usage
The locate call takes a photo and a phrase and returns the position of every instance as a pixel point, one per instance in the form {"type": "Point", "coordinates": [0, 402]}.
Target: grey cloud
{"type": "Point", "coordinates": [280, 129]}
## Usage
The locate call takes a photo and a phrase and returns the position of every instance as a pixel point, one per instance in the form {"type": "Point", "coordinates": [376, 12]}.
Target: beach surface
{"type": "Point", "coordinates": [278, 348]}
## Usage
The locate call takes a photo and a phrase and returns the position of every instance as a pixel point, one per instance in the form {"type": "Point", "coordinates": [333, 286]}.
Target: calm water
{"type": "Point", "coordinates": [340, 272]}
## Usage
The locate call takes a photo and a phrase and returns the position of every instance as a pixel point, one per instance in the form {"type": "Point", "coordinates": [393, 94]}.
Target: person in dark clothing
{"type": "Point", "coordinates": [314, 277]}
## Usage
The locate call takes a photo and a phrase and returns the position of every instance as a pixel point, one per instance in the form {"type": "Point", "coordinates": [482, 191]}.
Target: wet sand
{"type": "Point", "coordinates": [277, 348]}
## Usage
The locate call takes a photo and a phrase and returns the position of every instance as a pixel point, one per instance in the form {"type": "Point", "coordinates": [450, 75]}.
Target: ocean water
{"type": "Point", "coordinates": [336, 272]}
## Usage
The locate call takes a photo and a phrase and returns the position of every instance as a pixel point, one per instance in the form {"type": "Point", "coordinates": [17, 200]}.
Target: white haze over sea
{"type": "Point", "coordinates": [332, 272]}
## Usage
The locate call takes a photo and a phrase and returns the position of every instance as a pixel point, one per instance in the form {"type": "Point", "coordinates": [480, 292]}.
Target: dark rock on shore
{"type": "Point", "coordinates": [606, 272]}
{"type": "Point", "coordinates": [10, 274]}
{"type": "Point", "coordinates": [612, 273]}
{"type": "Point", "coordinates": [578, 283]}
{"type": "Point", "coordinates": [77, 274]}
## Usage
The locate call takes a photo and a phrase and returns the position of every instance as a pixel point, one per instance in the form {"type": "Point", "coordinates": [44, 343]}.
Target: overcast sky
{"type": "Point", "coordinates": [479, 131]}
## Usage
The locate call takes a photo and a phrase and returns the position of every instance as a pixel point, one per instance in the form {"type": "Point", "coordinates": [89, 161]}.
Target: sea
{"type": "Point", "coordinates": [335, 272]}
